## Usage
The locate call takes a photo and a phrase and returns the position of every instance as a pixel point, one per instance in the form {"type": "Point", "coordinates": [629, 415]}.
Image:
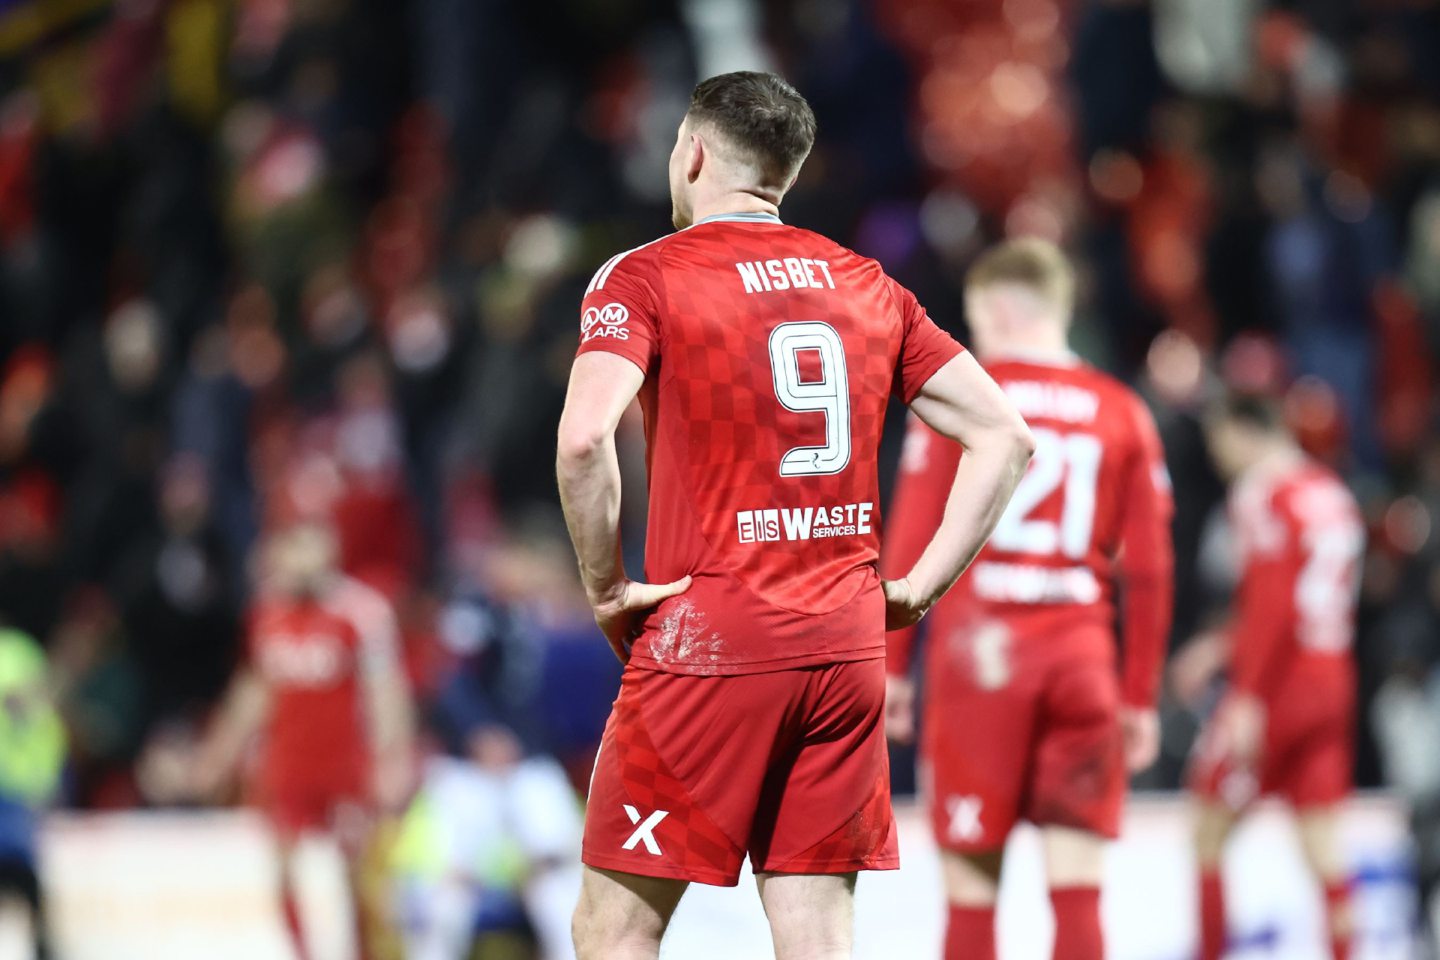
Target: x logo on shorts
{"type": "Point", "coordinates": [964, 817]}
{"type": "Point", "coordinates": [645, 832]}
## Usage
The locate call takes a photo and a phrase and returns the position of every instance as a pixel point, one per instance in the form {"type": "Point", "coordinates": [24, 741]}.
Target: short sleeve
{"type": "Point", "coordinates": [924, 347]}
{"type": "Point", "coordinates": [619, 315]}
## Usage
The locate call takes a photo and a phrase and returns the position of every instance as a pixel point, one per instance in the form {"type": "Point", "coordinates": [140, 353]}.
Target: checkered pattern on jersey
{"type": "Point", "coordinates": [726, 425]}
{"type": "Point", "coordinates": [687, 838]}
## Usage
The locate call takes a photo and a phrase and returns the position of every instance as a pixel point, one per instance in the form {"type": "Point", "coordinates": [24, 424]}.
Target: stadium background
{"type": "Point", "coordinates": [265, 259]}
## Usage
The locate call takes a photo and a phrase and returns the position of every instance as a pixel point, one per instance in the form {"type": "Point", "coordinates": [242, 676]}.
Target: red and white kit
{"type": "Point", "coordinates": [1022, 691]}
{"type": "Point", "coordinates": [1301, 539]}
{"type": "Point", "coordinates": [313, 654]}
{"type": "Point", "coordinates": [749, 718]}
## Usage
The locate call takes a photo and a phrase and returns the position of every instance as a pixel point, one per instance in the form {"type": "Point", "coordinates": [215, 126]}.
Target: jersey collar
{"type": "Point", "coordinates": [1039, 358]}
{"type": "Point", "coordinates": [753, 217]}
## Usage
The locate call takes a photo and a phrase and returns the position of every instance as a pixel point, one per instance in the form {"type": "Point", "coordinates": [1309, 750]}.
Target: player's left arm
{"type": "Point", "coordinates": [963, 403]}
{"type": "Point", "coordinates": [1147, 570]}
{"type": "Point", "coordinates": [927, 471]}
{"type": "Point", "coordinates": [955, 397]}
{"type": "Point", "coordinates": [390, 710]}
{"type": "Point", "coordinates": [602, 384]}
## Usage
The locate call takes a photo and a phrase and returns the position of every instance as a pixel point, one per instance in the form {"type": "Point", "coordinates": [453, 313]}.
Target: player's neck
{"type": "Point", "coordinates": [1039, 349]}
{"type": "Point", "coordinates": [1277, 456]}
{"type": "Point", "coordinates": [734, 201]}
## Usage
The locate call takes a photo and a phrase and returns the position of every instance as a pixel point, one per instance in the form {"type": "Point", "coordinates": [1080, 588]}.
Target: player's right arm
{"type": "Point", "coordinates": [961, 402]}
{"type": "Point", "coordinates": [241, 714]}
{"type": "Point", "coordinates": [619, 343]}
{"type": "Point", "coordinates": [1260, 623]}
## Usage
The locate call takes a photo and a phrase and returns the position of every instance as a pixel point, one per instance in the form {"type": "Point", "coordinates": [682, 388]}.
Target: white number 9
{"type": "Point", "coordinates": [829, 395]}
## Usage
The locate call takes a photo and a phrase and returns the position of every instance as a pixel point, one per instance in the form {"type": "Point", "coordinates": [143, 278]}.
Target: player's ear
{"type": "Point", "coordinates": [696, 159]}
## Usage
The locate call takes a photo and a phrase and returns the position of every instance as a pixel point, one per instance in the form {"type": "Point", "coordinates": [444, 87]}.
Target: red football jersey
{"type": "Point", "coordinates": [1093, 507]}
{"type": "Point", "coordinates": [1300, 538]}
{"type": "Point", "coordinates": [769, 355]}
{"type": "Point", "coordinates": [313, 654]}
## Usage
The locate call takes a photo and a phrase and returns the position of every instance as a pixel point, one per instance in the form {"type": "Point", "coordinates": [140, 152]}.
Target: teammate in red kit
{"type": "Point", "coordinates": [324, 688]}
{"type": "Point", "coordinates": [750, 714]}
{"type": "Point", "coordinates": [1026, 715]}
{"type": "Point", "coordinates": [1286, 725]}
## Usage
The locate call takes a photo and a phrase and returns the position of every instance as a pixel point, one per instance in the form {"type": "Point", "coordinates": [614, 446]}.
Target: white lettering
{"type": "Point", "coordinates": [804, 523]}
{"type": "Point", "coordinates": [790, 273]}
{"type": "Point", "coordinates": [1028, 583]}
{"type": "Point", "coordinates": [810, 280]}
{"type": "Point", "coordinates": [1053, 401]}
{"type": "Point", "coordinates": [797, 272]}
{"type": "Point", "coordinates": [750, 276]}
{"type": "Point", "coordinates": [776, 269]}
{"type": "Point", "coordinates": [797, 523]}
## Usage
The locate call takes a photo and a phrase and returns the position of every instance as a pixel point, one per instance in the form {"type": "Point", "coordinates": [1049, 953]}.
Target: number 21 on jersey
{"type": "Point", "coordinates": [1062, 460]}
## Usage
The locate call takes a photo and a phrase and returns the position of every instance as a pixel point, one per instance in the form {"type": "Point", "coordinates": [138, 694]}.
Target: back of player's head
{"type": "Point", "coordinates": [1252, 411]}
{"type": "Point", "coordinates": [1031, 263]}
{"type": "Point", "coordinates": [760, 115]}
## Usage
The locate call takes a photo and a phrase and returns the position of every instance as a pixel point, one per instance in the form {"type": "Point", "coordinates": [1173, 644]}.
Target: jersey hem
{"type": "Point", "coordinates": [643, 662]}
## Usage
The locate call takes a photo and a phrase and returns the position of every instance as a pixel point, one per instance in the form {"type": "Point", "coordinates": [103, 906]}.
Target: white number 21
{"type": "Point", "coordinates": [829, 395]}
{"type": "Point", "coordinates": [1072, 459]}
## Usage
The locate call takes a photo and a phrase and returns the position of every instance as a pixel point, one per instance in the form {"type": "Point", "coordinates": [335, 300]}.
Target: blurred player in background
{"type": "Point", "coordinates": [1026, 715]}
{"type": "Point", "coordinates": [750, 714]}
{"type": "Point", "coordinates": [1286, 725]}
{"type": "Point", "coordinates": [325, 689]}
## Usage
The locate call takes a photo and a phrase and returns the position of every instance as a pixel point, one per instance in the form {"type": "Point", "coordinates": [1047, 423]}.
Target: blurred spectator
{"type": "Point", "coordinates": [32, 749]}
{"type": "Point", "coordinates": [275, 261]}
{"type": "Point", "coordinates": [489, 849]}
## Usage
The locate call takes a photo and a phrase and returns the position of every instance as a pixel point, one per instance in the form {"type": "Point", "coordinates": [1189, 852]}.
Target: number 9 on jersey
{"type": "Point", "coordinates": [829, 394]}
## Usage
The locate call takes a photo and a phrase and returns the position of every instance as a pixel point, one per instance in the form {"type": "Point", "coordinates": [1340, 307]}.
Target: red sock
{"type": "Point", "coordinates": [291, 908]}
{"type": "Point", "coordinates": [1212, 915]}
{"type": "Point", "coordinates": [970, 933]}
{"type": "Point", "coordinates": [1077, 924]}
{"type": "Point", "coordinates": [1337, 918]}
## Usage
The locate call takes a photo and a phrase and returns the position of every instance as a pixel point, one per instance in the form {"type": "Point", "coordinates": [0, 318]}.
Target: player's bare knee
{"type": "Point", "coordinates": [608, 934]}
{"type": "Point", "coordinates": [1320, 843]}
{"type": "Point", "coordinates": [622, 916]}
{"type": "Point", "coordinates": [1210, 829]}
{"type": "Point", "coordinates": [1073, 858]}
{"type": "Point", "coordinates": [973, 879]}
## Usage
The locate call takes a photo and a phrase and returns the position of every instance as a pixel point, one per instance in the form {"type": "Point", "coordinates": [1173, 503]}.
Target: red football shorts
{"type": "Point", "coordinates": [1307, 757]}
{"type": "Point", "coordinates": [789, 766]}
{"type": "Point", "coordinates": [295, 804]}
{"type": "Point", "coordinates": [1021, 727]}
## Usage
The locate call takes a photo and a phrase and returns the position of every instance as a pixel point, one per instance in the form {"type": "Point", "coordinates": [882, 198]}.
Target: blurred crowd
{"type": "Point", "coordinates": [264, 261]}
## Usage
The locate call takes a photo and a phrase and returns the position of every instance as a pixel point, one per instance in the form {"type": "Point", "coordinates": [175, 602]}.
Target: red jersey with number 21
{"type": "Point", "coordinates": [769, 355]}
{"type": "Point", "coordinates": [1093, 509]}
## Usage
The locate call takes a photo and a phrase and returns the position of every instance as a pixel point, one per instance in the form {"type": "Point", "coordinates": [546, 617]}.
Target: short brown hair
{"type": "Point", "coordinates": [1029, 262]}
{"type": "Point", "coordinates": [1250, 409]}
{"type": "Point", "coordinates": [760, 114]}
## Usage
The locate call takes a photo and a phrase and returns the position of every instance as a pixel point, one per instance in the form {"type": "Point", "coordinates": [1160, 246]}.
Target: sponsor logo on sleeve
{"type": "Point", "coordinates": [607, 322]}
